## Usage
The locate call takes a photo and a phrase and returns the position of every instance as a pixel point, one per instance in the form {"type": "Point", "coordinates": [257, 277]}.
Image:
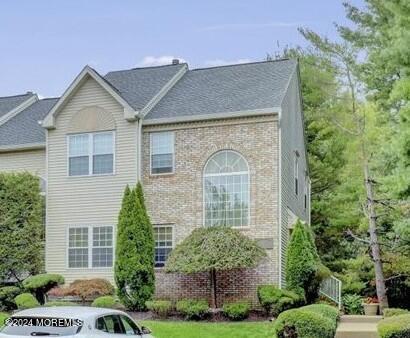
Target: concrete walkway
{"type": "Point", "coordinates": [358, 327]}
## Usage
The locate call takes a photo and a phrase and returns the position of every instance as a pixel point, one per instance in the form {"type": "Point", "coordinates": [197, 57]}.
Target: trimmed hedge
{"type": "Point", "coordinates": [161, 308]}
{"type": "Point", "coordinates": [192, 308]}
{"type": "Point", "coordinates": [7, 295]}
{"type": "Point", "coordinates": [312, 321]}
{"type": "Point", "coordinates": [108, 302]}
{"type": "Point", "coordinates": [3, 317]}
{"type": "Point", "coordinates": [394, 327]}
{"type": "Point", "coordinates": [390, 312]}
{"type": "Point", "coordinates": [26, 301]}
{"type": "Point", "coordinates": [237, 310]}
{"type": "Point", "coordinates": [60, 303]}
{"type": "Point", "coordinates": [275, 300]}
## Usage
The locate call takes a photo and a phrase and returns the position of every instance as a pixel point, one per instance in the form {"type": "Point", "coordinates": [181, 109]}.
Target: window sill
{"type": "Point", "coordinates": [90, 176]}
{"type": "Point", "coordinates": [161, 175]}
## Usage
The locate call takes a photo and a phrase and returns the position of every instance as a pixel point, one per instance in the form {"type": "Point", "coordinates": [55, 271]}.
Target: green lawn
{"type": "Point", "coordinates": [182, 329]}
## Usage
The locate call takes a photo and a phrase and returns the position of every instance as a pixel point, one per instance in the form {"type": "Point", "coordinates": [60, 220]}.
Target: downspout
{"type": "Point", "coordinates": [139, 149]}
{"type": "Point", "coordinates": [280, 197]}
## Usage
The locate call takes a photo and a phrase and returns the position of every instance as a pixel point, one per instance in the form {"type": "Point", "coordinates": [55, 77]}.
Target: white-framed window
{"type": "Point", "coordinates": [162, 152]}
{"type": "Point", "coordinates": [78, 247]}
{"type": "Point", "coordinates": [306, 191]}
{"type": "Point", "coordinates": [164, 242]}
{"type": "Point", "coordinates": [90, 247]}
{"type": "Point", "coordinates": [91, 154]}
{"type": "Point", "coordinates": [296, 173]}
{"type": "Point", "coordinates": [226, 190]}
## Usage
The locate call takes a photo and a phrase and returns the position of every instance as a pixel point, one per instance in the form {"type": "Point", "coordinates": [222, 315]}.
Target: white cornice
{"type": "Point", "coordinates": [18, 109]}
{"type": "Point", "coordinates": [215, 116]}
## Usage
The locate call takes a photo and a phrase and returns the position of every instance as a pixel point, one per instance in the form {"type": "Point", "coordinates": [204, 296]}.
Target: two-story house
{"type": "Point", "coordinates": [212, 146]}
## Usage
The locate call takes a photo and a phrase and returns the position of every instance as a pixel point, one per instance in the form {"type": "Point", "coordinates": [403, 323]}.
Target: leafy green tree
{"type": "Point", "coordinates": [213, 249]}
{"type": "Point", "coordinates": [134, 264]}
{"type": "Point", "coordinates": [21, 227]}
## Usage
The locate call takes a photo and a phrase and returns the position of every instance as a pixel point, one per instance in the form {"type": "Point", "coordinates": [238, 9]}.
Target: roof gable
{"type": "Point", "coordinates": [86, 73]}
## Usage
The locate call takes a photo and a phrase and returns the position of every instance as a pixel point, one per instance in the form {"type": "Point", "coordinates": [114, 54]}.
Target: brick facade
{"type": "Point", "coordinates": [178, 198]}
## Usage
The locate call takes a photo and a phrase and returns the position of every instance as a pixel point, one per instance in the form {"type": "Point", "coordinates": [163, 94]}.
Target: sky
{"type": "Point", "coordinates": [44, 44]}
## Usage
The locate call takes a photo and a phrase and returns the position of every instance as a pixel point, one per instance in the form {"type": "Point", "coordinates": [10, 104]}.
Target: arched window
{"type": "Point", "coordinates": [226, 190]}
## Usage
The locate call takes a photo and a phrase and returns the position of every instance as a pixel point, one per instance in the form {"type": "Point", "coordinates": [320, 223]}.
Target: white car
{"type": "Point", "coordinates": [72, 321]}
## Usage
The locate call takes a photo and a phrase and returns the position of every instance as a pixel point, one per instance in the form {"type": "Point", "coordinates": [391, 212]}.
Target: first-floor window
{"type": "Point", "coordinates": [78, 248]}
{"type": "Point", "coordinates": [163, 236]}
{"type": "Point", "coordinates": [90, 247]}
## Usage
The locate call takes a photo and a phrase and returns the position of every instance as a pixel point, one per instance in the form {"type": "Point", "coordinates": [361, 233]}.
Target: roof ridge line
{"type": "Point", "coordinates": [17, 95]}
{"type": "Point", "coordinates": [147, 67]}
{"type": "Point", "coordinates": [242, 64]}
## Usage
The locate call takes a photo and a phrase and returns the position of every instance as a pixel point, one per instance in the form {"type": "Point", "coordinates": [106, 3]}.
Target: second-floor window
{"type": "Point", "coordinates": [91, 154]}
{"type": "Point", "coordinates": [162, 153]}
{"type": "Point", "coordinates": [296, 173]}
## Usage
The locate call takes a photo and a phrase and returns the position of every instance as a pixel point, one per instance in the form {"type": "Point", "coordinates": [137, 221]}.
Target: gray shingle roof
{"type": "Point", "coordinates": [234, 88]}
{"type": "Point", "coordinates": [222, 89]}
{"type": "Point", "coordinates": [139, 85]}
{"type": "Point", "coordinates": [24, 128]}
{"type": "Point", "coordinates": [8, 103]}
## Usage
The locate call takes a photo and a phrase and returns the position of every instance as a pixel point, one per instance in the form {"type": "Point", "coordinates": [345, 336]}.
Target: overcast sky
{"type": "Point", "coordinates": [44, 44]}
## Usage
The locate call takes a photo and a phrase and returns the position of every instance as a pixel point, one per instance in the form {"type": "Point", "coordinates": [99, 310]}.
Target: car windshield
{"type": "Point", "coordinates": [41, 327]}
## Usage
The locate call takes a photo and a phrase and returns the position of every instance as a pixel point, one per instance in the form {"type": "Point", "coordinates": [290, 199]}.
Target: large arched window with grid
{"type": "Point", "coordinates": [226, 190]}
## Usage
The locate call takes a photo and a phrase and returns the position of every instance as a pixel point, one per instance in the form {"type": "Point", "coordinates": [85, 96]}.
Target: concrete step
{"type": "Point", "coordinates": [360, 319]}
{"type": "Point", "coordinates": [358, 327]}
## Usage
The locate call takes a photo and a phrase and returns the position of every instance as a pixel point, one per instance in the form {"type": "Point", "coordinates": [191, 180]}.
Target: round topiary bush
{"type": "Point", "coordinates": [394, 327]}
{"type": "Point", "coordinates": [26, 301]}
{"type": "Point", "coordinates": [108, 302]}
{"type": "Point", "coordinates": [237, 310]}
{"type": "Point", "coordinates": [311, 321]}
{"type": "Point", "coordinates": [7, 295]}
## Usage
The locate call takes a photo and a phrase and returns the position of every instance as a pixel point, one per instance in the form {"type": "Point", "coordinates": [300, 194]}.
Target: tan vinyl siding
{"type": "Point", "coordinates": [94, 200]}
{"type": "Point", "coordinates": [33, 161]}
{"type": "Point", "coordinates": [292, 138]}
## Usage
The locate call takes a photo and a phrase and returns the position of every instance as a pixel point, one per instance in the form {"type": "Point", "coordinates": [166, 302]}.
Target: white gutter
{"type": "Point", "coordinates": [214, 116]}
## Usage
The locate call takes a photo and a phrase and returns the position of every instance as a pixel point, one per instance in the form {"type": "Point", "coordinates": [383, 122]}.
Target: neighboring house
{"type": "Point", "coordinates": [213, 146]}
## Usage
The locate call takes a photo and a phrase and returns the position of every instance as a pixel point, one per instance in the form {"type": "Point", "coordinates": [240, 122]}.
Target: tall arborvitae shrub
{"type": "Point", "coordinates": [304, 270]}
{"type": "Point", "coordinates": [134, 264]}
